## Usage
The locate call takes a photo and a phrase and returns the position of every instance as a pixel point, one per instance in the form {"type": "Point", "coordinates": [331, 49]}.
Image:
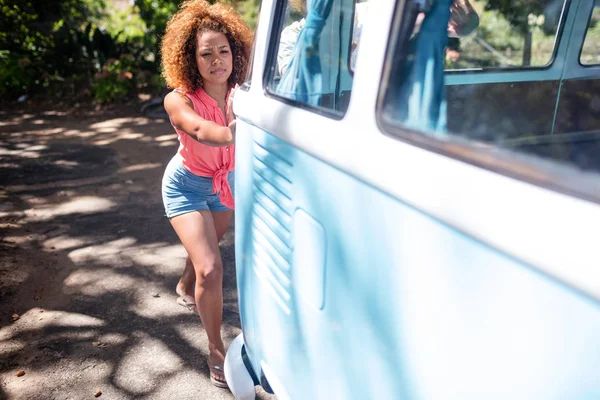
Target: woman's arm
{"type": "Point", "coordinates": [182, 114]}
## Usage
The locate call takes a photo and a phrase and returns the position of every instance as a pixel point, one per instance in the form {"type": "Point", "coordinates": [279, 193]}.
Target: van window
{"type": "Point", "coordinates": [590, 53]}
{"type": "Point", "coordinates": [311, 54]}
{"type": "Point", "coordinates": [510, 34]}
{"type": "Point", "coordinates": [516, 122]}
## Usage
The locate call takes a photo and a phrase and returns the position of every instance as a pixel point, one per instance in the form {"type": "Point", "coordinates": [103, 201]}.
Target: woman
{"type": "Point", "coordinates": [205, 52]}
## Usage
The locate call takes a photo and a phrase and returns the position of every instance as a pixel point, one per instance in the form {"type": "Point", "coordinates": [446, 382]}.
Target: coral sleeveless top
{"type": "Point", "coordinates": [208, 161]}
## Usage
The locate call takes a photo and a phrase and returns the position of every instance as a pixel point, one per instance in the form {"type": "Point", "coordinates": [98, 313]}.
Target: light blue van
{"type": "Point", "coordinates": [418, 201]}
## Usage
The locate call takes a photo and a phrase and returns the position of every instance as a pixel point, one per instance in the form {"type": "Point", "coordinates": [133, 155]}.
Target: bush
{"type": "Point", "coordinates": [115, 81]}
{"type": "Point", "coordinates": [16, 74]}
{"type": "Point", "coordinates": [70, 48]}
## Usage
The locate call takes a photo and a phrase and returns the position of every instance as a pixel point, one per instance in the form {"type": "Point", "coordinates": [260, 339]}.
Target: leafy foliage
{"type": "Point", "coordinates": [78, 47]}
{"type": "Point", "coordinates": [590, 53]}
{"type": "Point", "coordinates": [115, 81]}
{"type": "Point", "coordinates": [46, 39]}
{"type": "Point", "coordinates": [517, 12]}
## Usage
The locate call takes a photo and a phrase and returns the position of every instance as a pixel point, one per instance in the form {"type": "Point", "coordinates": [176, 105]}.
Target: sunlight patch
{"type": "Point", "coordinates": [66, 163]}
{"type": "Point", "coordinates": [147, 364]}
{"type": "Point", "coordinates": [188, 332]}
{"type": "Point", "coordinates": [112, 339]}
{"type": "Point", "coordinates": [157, 303]}
{"type": "Point", "coordinates": [158, 256]}
{"type": "Point", "coordinates": [41, 319]}
{"type": "Point", "coordinates": [63, 318]}
{"type": "Point", "coordinates": [139, 167]}
{"type": "Point", "coordinates": [10, 346]}
{"type": "Point", "coordinates": [111, 123]}
{"type": "Point", "coordinates": [110, 252]}
{"type": "Point", "coordinates": [171, 251]}
{"type": "Point", "coordinates": [45, 132]}
{"type": "Point", "coordinates": [126, 135]}
{"type": "Point", "coordinates": [82, 134]}
{"type": "Point", "coordinates": [164, 138]}
{"type": "Point", "coordinates": [64, 242]}
{"type": "Point", "coordinates": [79, 205]}
{"type": "Point", "coordinates": [107, 130]}
{"type": "Point", "coordinates": [98, 281]}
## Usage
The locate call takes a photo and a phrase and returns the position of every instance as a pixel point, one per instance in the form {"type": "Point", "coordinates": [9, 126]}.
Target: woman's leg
{"type": "Point", "coordinates": [185, 286]}
{"type": "Point", "coordinates": [222, 220]}
{"type": "Point", "coordinates": [197, 232]}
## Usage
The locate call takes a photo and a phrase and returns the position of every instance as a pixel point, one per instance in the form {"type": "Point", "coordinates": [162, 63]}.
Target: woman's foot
{"type": "Point", "coordinates": [216, 360]}
{"type": "Point", "coordinates": [185, 287]}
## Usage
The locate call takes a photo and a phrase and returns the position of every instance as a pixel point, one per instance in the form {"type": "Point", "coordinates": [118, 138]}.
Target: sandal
{"type": "Point", "coordinates": [213, 379]}
{"type": "Point", "coordinates": [189, 304]}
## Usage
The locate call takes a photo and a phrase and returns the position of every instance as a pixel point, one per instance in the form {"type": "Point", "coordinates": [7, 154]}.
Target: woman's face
{"type": "Point", "coordinates": [214, 58]}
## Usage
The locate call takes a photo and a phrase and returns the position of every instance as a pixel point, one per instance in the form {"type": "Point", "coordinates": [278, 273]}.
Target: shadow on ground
{"type": "Point", "coordinates": [89, 263]}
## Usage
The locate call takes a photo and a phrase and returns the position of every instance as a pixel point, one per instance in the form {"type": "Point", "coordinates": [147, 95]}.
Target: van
{"type": "Point", "coordinates": [418, 201]}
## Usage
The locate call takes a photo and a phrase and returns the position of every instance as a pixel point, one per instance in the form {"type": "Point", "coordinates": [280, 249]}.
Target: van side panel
{"type": "Point", "coordinates": [357, 295]}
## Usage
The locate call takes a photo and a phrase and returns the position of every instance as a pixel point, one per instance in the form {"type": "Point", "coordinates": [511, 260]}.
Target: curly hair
{"type": "Point", "coordinates": [178, 48]}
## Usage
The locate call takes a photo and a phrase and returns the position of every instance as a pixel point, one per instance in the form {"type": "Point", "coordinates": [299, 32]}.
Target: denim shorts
{"type": "Point", "coordinates": [184, 192]}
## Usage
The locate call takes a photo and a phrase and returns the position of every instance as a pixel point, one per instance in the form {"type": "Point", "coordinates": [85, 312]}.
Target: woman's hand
{"type": "Point", "coordinates": [230, 113]}
{"type": "Point", "coordinates": [463, 18]}
{"type": "Point", "coordinates": [231, 127]}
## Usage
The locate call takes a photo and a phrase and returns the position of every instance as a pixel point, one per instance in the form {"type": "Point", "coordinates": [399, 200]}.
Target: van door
{"type": "Point", "coordinates": [286, 187]}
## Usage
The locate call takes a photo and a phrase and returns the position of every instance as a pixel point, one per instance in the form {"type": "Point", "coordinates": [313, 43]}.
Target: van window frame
{"type": "Point", "coordinates": [545, 173]}
{"type": "Point", "coordinates": [271, 63]}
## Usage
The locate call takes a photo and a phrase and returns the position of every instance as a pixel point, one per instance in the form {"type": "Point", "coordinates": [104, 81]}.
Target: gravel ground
{"type": "Point", "coordinates": [89, 263]}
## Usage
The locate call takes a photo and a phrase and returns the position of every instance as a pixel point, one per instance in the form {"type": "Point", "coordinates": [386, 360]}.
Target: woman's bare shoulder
{"type": "Point", "coordinates": [177, 101]}
{"type": "Point", "coordinates": [177, 97]}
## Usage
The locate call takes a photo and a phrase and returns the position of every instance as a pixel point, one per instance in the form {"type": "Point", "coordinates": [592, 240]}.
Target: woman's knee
{"type": "Point", "coordinates": [208, 271]}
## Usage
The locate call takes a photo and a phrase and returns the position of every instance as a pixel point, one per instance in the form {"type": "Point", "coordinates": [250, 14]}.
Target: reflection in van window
{"type": "Point", "coordinates": [526, 112]}
{"type": "Point", "coordinates": [511, 34]}
{"type": "Point", "coordinates": [248, 82]}
{"type": "Point", "coordinates": [360, 15]}
{"type": "Point", "coordinates": [313, 53]}
{"type": "Point", "coordinates": [417, 94]}
{"type": "Point", "coordinates": [590, 53]}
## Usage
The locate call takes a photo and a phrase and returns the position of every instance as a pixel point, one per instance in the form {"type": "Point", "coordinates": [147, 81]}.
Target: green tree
{"type": "Point", "coordinates": [40, 39]}
{"type": "Point", "coordinates": [156, 14]}
{"type": "Point", "coordinates": [523, 16]}
{"type": "Point", "coordinates": [85, 45]}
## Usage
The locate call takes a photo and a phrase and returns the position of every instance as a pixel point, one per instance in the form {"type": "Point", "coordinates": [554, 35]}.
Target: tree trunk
{"type": "Point", "coordinates": [527, 49]}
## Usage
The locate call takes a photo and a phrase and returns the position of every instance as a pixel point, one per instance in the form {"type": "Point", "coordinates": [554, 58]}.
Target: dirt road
{"type": "Point", "coordinates": [89, 263]}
